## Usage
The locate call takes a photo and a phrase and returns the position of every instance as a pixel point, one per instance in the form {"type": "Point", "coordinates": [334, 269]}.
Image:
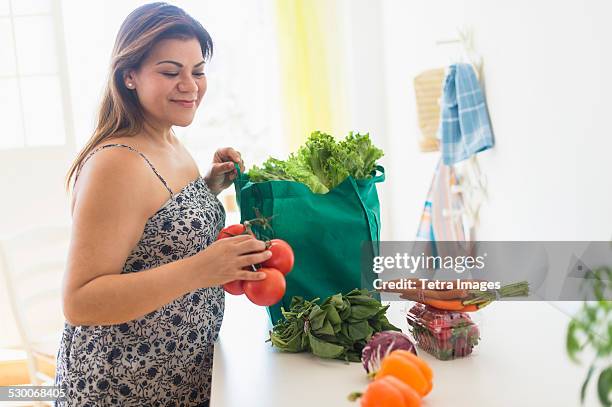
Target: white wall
{"type": "Point", "coordinates": [546, 72]}
{"type": "Point", "coordinates": [32, 196]}
{"type": "Point", "coordinates": [366, 91]}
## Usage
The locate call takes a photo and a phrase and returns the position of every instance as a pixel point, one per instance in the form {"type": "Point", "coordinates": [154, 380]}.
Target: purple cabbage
{"type": "Point", "coordinates": [380, 345]}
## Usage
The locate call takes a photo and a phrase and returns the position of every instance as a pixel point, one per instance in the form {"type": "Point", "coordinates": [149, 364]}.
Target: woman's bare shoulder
{"type": "Point", "coordinates": [112, 171]}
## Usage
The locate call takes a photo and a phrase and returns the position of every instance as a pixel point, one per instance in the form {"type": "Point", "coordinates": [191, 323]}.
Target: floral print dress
{"type": "Point", "coordinates": [165, 357]}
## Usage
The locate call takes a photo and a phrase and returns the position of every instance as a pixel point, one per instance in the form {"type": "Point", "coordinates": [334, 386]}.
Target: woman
{"type": "Point", "coordinates": [142, 293]}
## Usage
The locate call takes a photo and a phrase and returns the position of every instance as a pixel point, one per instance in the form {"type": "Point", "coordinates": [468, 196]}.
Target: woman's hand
{"type": "Point", "coordinates": [224, 261]}
{"type": "Point", "coordinates": [222, 172]}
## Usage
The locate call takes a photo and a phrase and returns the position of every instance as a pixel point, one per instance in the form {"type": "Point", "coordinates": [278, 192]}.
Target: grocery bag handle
{"type": "Point", "coordinates": [380, 177]}
{"type": "Point", "coordinates": [239, 181]}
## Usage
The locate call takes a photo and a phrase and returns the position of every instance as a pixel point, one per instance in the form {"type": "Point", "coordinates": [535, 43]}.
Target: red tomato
{"type": "Point", "coordinates": [282, 256]}
{"type": "Point", "coordinates": [234, 287]}
{"type": "Point", "coordinates": [232, 230]}
{"type": "Point", "coordinates": [268, 291]}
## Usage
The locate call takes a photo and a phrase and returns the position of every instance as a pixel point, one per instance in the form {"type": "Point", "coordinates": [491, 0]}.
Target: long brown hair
{"type": "Point", "coordinates": [120, 113]}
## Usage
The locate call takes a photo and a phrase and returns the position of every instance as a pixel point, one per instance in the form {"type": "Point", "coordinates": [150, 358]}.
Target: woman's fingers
{"type": "Point", "coordinates": [225, 154]}
{"type": "Point", "coordinates": [240, 162]}
{"type": "Point", "coordinates": [249, 250]}
{"type": "Point", "coordinates": [222, 168]}
{"type": "Point", "coordinates": [251, 275]}
{"type": "Point", "coordinates": [251, 245]}
{"type": "Point", "coordinates": [237, 240]}
{"type": "Point", "coordinates": [235, 157]}
{"type": "Point", "coordinates": [254, 258]}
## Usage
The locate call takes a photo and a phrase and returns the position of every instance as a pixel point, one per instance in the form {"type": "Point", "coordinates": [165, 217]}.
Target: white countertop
{"type": "Point", "coordinates": [520, 361]}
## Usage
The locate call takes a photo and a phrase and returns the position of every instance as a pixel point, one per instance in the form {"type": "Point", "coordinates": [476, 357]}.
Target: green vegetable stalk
{"type": "Point", "coordinates": [483, 298]}
{"type": "Point", "coordinates": [337, 328]}
{"type": "Point", "coordinates": [322, 163]}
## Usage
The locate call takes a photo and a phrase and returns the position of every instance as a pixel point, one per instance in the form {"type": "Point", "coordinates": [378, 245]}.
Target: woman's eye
{"type": "Point", "coordinates": [198, 74]}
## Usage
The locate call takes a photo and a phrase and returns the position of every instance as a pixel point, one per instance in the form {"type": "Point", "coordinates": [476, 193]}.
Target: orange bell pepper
{"type": "Point", "coordinates": [388, 391]}
{"type": "Point", "coordinates": [408, 368]}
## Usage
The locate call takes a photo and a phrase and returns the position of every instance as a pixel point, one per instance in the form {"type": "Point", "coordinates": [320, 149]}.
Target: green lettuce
{"type": "Point", "coordinates": [322, 163]}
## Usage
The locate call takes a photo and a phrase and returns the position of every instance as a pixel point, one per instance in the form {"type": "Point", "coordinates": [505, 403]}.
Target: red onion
{"type": "Point", "coordinates": [380, 345]}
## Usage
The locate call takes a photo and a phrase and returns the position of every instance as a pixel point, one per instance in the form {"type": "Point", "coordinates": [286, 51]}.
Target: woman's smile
{"type": "Point", "coordinates": [185, 103]}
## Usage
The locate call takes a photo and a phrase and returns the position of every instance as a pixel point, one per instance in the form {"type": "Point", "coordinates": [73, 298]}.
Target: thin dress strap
{"type": "Point", "coordinates": [134, 150]}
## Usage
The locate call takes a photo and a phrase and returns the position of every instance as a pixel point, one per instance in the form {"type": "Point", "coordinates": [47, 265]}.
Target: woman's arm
{"type": "Point", "coordinates": [117, 298]}
{"type": "Point", "coordinates": [108, 221]}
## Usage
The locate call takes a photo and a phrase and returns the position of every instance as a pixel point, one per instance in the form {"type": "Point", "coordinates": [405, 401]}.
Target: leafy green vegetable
{"type": "Point", "coordinates": [592, 327]}
{"type": "Point", "coordinates": [357, 154]}
{"type": "Point", "coordinates": [337, 328]}
{"type": "Point", "coordinates": [322, 163]}
{"type": "Point", "coordinates": [604, 386]}
{"type": "Point", "coordinates": [290, 170]}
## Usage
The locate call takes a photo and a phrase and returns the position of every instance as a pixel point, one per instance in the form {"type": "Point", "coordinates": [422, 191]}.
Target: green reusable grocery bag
{"type": "Point", "coordinates": [331, 234]}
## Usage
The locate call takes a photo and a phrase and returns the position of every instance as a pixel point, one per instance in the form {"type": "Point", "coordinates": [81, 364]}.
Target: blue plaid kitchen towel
{"type": "Point", "coordinates": [465, 128]}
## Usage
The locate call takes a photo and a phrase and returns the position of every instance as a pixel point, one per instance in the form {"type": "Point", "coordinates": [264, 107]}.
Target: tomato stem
{"type": "Point", "coordinates": [260, 220]}
{"type": "Point", "coordinates": [354, 395]}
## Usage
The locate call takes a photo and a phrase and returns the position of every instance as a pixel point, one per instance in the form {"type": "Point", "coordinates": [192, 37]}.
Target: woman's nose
{"type": "Point", "coordinates": [188, 85]}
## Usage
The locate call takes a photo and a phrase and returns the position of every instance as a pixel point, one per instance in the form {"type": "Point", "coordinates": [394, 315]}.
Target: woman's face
{"type": "Point", "coordinates": [170, 83]}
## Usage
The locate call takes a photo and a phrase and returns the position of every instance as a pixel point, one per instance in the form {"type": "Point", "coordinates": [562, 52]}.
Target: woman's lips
{"type": "Point", "coordinates": [185, 104]}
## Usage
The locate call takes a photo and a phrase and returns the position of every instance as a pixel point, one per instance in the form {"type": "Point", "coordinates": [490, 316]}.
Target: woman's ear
{"type": "Point", "coordinates": [128, 80]}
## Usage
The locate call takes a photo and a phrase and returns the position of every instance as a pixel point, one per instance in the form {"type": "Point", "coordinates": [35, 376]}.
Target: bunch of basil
{"type": "Point", "coordinates": [338, 328]}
